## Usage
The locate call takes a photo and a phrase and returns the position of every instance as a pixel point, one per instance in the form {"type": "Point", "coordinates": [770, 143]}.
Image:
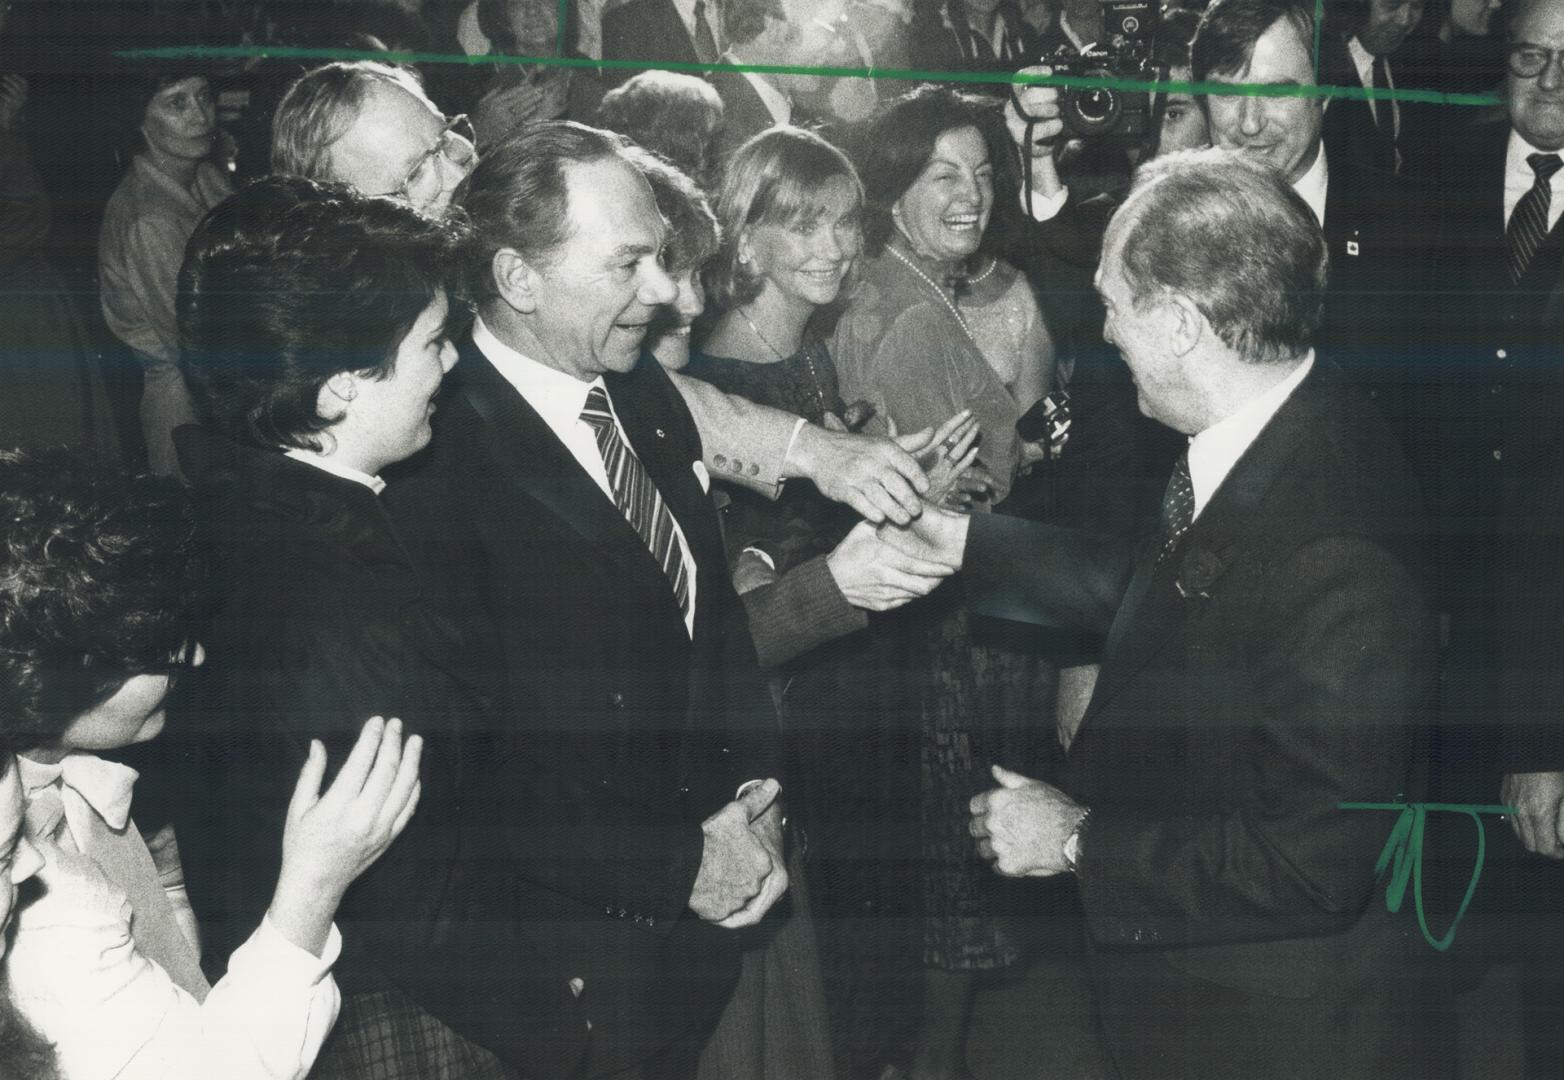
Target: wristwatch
{"type": "Point", "coordinates": [1072, 843]}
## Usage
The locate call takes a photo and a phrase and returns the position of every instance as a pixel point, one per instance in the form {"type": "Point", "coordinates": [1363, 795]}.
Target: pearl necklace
{"type": "Point", "coordinates": [814, 378]}
{"type": "Point", "coordinates": [910, 265]}
{"type": "Point", "coordinates": [974, 280]}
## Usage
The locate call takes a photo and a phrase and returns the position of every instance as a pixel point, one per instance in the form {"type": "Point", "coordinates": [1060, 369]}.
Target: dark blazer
{"type": "Point", "coordinates": [1501, 413]}
{"type": "Point", "coordinates": [322, 621]}
{"type": "Point", "coordinates": [639, 733]}
{"type": "Point", "coordinates": [1350, 131]}
{"type": "Point", "coordinates": [1276, 665]}
{"type": "Point", "coordinates": [645, 30]}
{"type": "Point", "coordinates": [743, 112]}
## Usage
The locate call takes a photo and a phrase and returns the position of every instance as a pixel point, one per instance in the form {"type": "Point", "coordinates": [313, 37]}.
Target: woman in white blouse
{"type": "Point", "coordinates": [97, 578]}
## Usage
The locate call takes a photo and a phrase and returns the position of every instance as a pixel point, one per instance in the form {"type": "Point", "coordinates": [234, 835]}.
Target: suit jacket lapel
{"type": "Point", "coordinates": [540, 466]}
{"type": "Point", "coordinates": [536, 461]}
{"type": "Point", "coordinates": [1153, 607]}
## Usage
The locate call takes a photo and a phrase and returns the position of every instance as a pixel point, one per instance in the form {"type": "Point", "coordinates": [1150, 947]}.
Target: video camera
{"type": "Point", "coordinates": [1129, 26]}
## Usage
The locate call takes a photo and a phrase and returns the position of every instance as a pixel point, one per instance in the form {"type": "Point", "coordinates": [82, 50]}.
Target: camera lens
{"type": "Point", "coordinates": [1094, 111]}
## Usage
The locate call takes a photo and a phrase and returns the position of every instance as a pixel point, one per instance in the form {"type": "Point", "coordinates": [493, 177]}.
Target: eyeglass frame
{"type": "Point", "coordinates": [404, 190]}
{"type": "Point", "coordinates": [1550, 57]}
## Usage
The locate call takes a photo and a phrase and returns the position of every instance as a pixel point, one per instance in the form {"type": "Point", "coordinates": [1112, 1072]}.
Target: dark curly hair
{"type": "Point", "coordinates": [892, 148]}
{"type": "Point", "coordinates": [292, 281]}
{"type": "Point", "coordinates": [99, 582]}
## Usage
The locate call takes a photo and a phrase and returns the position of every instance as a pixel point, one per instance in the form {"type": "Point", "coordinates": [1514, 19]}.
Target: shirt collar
{"type": "Point", "coordinates": [106, 786]}
{"type": "Point", "coordinates": [1214, 452]}
{"type": "Point", "coordinates": [1312, 185]}
{"type": "Point", "coordinates": [1515, 155]}
{"type": "Point", "coordinates": [335, 468]}
{"type": "Point", "coordinates": [557, 397]}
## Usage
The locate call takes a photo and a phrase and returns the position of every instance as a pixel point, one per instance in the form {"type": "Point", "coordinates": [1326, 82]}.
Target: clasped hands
{"type": "Point", "coordinates": [743, 870]}
{"type": "Point", "coordinates": [1021, 826]}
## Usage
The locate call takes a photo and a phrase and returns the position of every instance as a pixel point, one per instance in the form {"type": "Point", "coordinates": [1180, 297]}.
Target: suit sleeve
{"type": "Point", "coordinates": [1044, 574]}
{"type": "Point", "coordinates": [800, 610]}
{"type": "Point", "coordinates": [741, 441]}
{"type": "Point", "coordinates": [1339, 668]}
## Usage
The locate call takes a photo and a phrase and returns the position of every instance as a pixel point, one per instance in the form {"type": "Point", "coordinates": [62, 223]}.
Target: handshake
{"type": "Point", "coordinates": [880, 568]}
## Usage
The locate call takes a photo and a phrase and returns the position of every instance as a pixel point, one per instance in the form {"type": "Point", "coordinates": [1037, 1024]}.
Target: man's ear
{"type": "Point", "coordinates": [335, 394]}
{"type": "Point", "coordinates": [1187, 323]}
{"type": "Point", "coordinates": [515, 279]}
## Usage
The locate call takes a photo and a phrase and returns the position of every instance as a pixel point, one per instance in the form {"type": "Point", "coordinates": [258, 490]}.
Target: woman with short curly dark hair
{"type": "Point", "coordinates": [97, 579]}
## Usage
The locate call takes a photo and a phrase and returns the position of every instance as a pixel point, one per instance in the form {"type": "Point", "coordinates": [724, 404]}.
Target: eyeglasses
{"type": "Point", "coordinates": [1529, 61]}
{"type": "Point", "coordinates": [457, 144]}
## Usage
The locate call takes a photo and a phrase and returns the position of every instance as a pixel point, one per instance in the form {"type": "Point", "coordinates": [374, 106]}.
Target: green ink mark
{"type": "Point", "coordinates": [1403, 855]}
{"type": "Point", "coordinates": [1071, 82]}
{"type": "Point", "coordinates": [559, 27]}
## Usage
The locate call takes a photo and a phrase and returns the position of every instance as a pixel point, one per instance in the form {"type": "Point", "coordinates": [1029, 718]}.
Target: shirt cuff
{"type": "Point", "coordinates": [746, 785]}
{"type": "Point", "coordinates": [763, 556]}
{"type": "Point", "coordinates": [1046, 207]}
{"type": "Point", "coordinates": [270, 956]}
{"type": "Point", "coordinates": [793, 438]}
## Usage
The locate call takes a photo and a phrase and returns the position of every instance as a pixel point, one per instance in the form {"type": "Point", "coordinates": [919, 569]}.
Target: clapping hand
{"type": "Point", "coordinates": [332, 838]}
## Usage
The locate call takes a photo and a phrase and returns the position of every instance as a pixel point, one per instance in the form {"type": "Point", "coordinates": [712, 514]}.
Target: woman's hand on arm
{"type": "Point", "coordinates": [332, 838]}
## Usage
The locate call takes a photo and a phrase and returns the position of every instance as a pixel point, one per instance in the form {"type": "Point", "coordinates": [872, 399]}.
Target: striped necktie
{"type": "Point", "coordinates": [637, 497]}
{"type": "Point", "coordinates": [1529, 220]}
{"type": "Point", "coordinates": [1178, 508]}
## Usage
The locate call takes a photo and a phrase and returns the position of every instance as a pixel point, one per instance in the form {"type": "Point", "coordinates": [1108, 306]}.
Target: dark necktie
{"type": "Point", "coordinates": [1178, 508]}
{"type": "Point", "coordinates": [1529, 222]}
{"type": "Point", "coordinates": [1387, 155]}
{"type": "Point", "coordinates": [637, 497]}
{"type": "Point", "coordinates": [705, 41]}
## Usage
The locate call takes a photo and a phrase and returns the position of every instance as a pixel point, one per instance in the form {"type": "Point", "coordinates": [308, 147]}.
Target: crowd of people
{"type": "Point", "coordinates": [526, 570]}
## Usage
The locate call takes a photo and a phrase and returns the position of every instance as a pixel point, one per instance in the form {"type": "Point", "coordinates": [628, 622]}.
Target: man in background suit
{"type": "Point", "coordinates": [371, 126]}
{"type": "Point", "coordinates": [1502, 415]}
{"type": "Point", "coordinates": [1377, 228]}
{"type": "Point", "coordinates": [1268, 655]}
{"type": "Point", "coordinates": [759, 32]}
{"type": "Point", "coordinates": [1361, 36]}
{"type": "Point", "coordinates": [565, 500]}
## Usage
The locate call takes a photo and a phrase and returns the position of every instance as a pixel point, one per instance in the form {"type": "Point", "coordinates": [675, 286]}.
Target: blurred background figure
{"type": "Point", "coordinates": [52, 388]}
{"type": "Point", "coordinates": [676, 116]}
{"type": "Point", "coordinates": [172, 182]}
{"type": "Point", "coordinates": [1360, 39]}
{"type": "Point", "coordinates": [1179, 117]}
{"type": "Point", "coordinates": [521, 93]}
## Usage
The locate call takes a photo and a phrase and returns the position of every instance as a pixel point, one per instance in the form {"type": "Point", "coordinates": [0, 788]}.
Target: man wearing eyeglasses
{"type": "Point", "coordinates": [372, 126]}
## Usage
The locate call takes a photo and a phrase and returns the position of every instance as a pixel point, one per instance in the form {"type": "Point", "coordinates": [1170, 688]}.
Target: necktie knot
{"type": "Point", "coordinates": [596, 411]}
{"type": "Point", "coordinates": [1544, 166]}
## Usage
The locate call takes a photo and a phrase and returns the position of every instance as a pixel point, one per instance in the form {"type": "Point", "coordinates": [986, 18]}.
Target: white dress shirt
{"type": "Point", "coordinates": [1518, 180]}
{"type": "Point", "coordinates": [1214, 452]}
{"type": "Point", "coordinates": [112, 1013]}
{"type": "Point", "coordinates": [559, 398]}
{"type": "Point", "coordinates": [1314, 184]}
{"type": "Point", "coordinates": [335, 468]}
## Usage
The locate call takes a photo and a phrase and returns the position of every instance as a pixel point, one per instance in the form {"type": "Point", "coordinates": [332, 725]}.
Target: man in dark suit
{"type": "Point", "coordinates": [1378, 229]}
{"type": "Point", "coordinates": [565, 499]}
{"type": "Point", "coordinates": [759, 32]}
{"type": "Point", "coordinates": [1502, 415]}
{"type": "Point", "coordinates": [1360, 38]}
{"type": "Point", "coordinates": [1269, 652]}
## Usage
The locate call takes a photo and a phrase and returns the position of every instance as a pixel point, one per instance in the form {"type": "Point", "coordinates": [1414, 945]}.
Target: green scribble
{"type": "Point", "coordinates": [559, 27]}
{"type": "Point", "coordinates": [1072, 82]}
{"type": "Point", "coordinates": [1403, 856]}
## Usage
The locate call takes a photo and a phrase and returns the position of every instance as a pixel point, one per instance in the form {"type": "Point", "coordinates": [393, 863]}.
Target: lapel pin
{"type": "Point", "coordinates": [660, 433]}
